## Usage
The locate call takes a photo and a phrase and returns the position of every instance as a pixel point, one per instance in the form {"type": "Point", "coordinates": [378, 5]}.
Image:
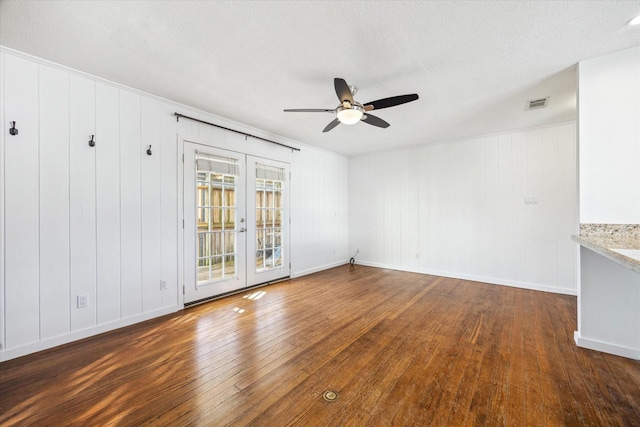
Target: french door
{"type": "Point", "coordinates": [236, 221]}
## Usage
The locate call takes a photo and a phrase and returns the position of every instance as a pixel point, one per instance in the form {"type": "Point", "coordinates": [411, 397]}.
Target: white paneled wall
{"type": "Point", "coordinates": [82, 202]}
{"type": "Point", "coordinates": [319, 210]}
{"type": "Point", "coordinates": [83, 221]}
{"type": "Point", "coordinates": [130, 206]}
{"type": "Point", "coordinates": [169, 245]}
{"type": "Point", "coordinates": [21, 160]}
{"type": "Point", "coordinates": [108, 203]}
{"type": "Point", "coordinates": [151, 202]}
{"type": "Point", "coordinates": [54, 202]}
{"type": "Point", "coordinates": [103, 222]}
{"type": "Point", "coordinates": [458, 209]}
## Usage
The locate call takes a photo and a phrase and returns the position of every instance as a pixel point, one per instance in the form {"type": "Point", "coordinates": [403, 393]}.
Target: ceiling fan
{"type": "Point", "coordinates": [350, 112]}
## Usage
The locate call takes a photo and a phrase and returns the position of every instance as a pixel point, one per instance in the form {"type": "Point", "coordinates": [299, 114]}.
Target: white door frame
{"type": "Point", "coordinates": [279, 273]}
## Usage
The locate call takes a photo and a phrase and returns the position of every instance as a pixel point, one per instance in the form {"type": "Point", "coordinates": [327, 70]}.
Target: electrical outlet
{"type": "Point", "coordinates": [83, 301]}
{"type": "Point", "coordinates": [163, 285]}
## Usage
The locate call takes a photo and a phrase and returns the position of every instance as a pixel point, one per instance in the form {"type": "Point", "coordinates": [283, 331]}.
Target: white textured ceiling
{"type": "Point", "coordinates": [474, 64]}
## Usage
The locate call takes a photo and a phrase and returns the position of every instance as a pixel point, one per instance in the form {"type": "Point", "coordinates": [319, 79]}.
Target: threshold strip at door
{"type": "Point", "coordinates": [234, 292]}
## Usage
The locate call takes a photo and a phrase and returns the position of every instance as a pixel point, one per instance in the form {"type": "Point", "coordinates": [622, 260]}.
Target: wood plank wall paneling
{"type": "Point", "coordinates": [82, 201]}
{"type": "Point", "coordinates": [151, 204]}
{"type": "Point", "coordinates": [53, 199]}
{"type": "Point", "coordinates": [130, 205]}
{"type": "Point", "coordinates": [108, 203]}
{"type": "Point", "coordinates": [20, 168]}
{"type": "Point", "coordinates": [399, 348]}
{"type": "Point", "coordinates": [504, 227]}
{"type": "Point", "coordinates": [459, 208]}
{"type": "Point", "coordinates": [550, 194]}
{"type": "Point", "coordinates": [169, 205]}
{"type": "Point", "coordinates": [535, 227]}
{"type": "Point", "coordinates": [519, 229]}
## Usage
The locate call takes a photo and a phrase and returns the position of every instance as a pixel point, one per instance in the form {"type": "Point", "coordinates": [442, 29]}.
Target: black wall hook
{"type": "Point", "coordinates": [13, 130]}
{"type": "Point", "coordinates": [92, 143]}
{"type": "Point", "coordinates": [149, 150]}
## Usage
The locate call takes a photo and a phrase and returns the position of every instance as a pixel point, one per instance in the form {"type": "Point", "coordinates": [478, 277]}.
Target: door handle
{"type": "Point", "coordinates": [242, 230]}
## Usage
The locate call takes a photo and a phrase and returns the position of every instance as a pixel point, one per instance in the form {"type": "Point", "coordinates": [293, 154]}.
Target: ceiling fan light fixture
{"type": "Point", "coordinates": [633, 21]}
{"type": "Point", "coordinates": [350, 116]}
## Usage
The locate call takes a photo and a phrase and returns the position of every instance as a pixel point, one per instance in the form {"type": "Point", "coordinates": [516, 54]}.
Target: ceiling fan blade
{"type": "Point", "coordinates": [342, 90]}
{"type": "Point", "coordinates": [335, 122]}
{"type": "Point", "coordinates": [390, 102]}
{"type": "Point", "coordinates": [309, 110]}
{"type": "Point", "coordinates": [375, 121]}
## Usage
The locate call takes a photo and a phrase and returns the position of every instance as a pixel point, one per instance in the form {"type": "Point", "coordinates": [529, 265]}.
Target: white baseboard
{"type": "Point", "coordinates": [606, 347]}
{"type": "Point", "coordinates": [85, 333]}
{"type": "Point", "coordinates": [301, 273]}
{"type": "Point", "coordinates": [490, 280]}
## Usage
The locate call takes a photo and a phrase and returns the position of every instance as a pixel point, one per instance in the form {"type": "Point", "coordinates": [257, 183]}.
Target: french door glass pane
{"type": "Point", "coordinates": [269, 211]}
{"type": "Point", "coordinates": [215, 219]}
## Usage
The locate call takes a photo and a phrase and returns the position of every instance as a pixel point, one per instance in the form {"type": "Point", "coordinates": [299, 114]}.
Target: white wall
{"type": "Point", "coordinates": [458, 209]}
{"type": "Point", "coordinates": [103, 221]}
{"type": "Point", "coordinates": [319, 217]}
{"type": "Point", "coordinates": [609, 129]}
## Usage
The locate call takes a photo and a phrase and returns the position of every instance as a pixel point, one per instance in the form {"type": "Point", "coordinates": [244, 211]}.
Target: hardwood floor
{"type": "Point", "coordinates": [398, 349]}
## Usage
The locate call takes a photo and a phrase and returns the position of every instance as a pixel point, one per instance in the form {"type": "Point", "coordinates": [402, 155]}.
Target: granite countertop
{"type": "Point", "coordinates": [602, 238]}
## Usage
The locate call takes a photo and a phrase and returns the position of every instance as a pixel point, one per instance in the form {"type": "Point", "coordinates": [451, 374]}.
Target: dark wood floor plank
{"type": "Point", "coordinates": [516, 407]}
{"type": "Point", "coordinates": [399, 349]}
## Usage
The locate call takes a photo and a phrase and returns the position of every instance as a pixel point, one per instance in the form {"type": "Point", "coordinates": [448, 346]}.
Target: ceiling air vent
{"type": "Point", "coordinates": [537, 103]}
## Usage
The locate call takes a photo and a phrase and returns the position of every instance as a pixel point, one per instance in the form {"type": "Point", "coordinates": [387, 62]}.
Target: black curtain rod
{"type": "Point", "coordinates": [178, 116]}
